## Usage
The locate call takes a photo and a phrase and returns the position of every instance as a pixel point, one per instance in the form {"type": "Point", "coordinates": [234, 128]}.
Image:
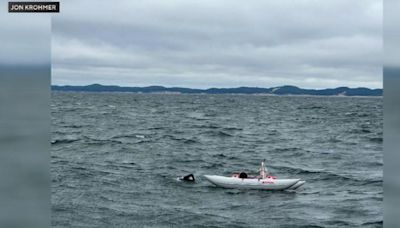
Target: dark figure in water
{"type": "Point", "coordinates": [189, 177]}
{"type": "Point", "coordinates": [243, 175]}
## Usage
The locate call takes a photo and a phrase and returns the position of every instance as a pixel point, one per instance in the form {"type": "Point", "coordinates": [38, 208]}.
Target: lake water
{"type": "Point", "coordinates": [116, 157]}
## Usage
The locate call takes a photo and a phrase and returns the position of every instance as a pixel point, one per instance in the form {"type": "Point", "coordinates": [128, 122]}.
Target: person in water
{"type": "Point", "coordinates": [189, 177]}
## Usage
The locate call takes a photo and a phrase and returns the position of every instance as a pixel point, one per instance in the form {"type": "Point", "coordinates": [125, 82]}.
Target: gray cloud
{"type": "Point", "coordinates": [219, 43]}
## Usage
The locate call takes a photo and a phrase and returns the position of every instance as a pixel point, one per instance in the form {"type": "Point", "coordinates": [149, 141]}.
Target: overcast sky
{"type": "Point", "coordinates": [24, 39]}
{"type": "Point", "coordinates": [392, 34]}
{"type": "Point", "coordinates": [217, 43]}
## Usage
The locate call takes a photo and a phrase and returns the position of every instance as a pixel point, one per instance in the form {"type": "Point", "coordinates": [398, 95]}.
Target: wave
{"type": "Point", "coordinates": [334, 140]}
{"type": "Point", "coordinates": [326, 175]}
{"type": "Point", "coordinates": [273, 133]}
{"type": "Point", "coordinates": [223, 134]}
{"type": "Point", "coordinates": [63, 141]}
{"type": "Point", "coordinates": [376, 139]}
{"type": "Point", "coordinates": [197, 116]}
{"type": "Point", "coordinates": [142, 141]}
{"type": "Point", "coordinates": [218, 133]}
{"type": "Point", "coordinates": [155, 128]}
{"type": "Point", "coordinates": [209, 114]}
{"type": "Point", "coordinates": [184, 140]}
{"type": "Point", "coordinates": [360, 131]}
{"type": "Point", "coordinates": [356, 114]}
{"type": "Point", "coordinates": [130, 139]}
{"type": "Point", "coordinates": [66, 125]}
{"type": "Point", "coordinates": [90, 140]}
{"type": "Point", "coordinates": [219, 155]}
{"type": "Point", "coordinates": [223, 156]}
{"type": "Point", "coordinates": [378, 223]}
{"type": "Point", "coordinates": [339, 223]}
{"type": "Point", "coordinates": [376, 163]}
{"type": "Point", "coordinates": [212, 165]}
{"type": "Point", "coordinates": [213, 126]}
{"type": "Point", "coordinates": [373, 182]}
{"type": "Point", "coordinates": [232, 128]}
{"type": "Point", "coordinates": [130, 136]}
{"type": "Point", "coordinates": [311, 107]}
{"type": "Point", "coordinates": [310, 226]}
{"type": "Point", "coordinates": [206, 126]}
{"type": "Point", "coordinates": [294, 150]}
{"type": "Point", "coordinates": [128, 163]}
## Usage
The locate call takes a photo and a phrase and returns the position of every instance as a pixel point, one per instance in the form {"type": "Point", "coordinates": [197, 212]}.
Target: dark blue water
{"type": "Point", "coordinates": [116, 157]}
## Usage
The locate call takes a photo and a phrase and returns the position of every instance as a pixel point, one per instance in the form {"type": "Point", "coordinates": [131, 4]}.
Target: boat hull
{"type": "Point", "coordinates": [297, 185]}
{"type": "Point", "coordinates": [247, 183]}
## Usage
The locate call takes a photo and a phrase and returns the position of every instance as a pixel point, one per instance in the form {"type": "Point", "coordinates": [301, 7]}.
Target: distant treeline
{"type": "Point", "coordinates": [281, 90]}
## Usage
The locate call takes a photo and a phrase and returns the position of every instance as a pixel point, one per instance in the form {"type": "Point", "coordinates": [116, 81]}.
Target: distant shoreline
{"type": "Point", "coordinates": [228, 94]}
{"type": "Point", "coordinates": [273, 91]}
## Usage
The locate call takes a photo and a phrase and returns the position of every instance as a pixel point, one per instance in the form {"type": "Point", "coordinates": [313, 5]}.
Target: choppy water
{"type": "Point", "coordinates": [115, 160]}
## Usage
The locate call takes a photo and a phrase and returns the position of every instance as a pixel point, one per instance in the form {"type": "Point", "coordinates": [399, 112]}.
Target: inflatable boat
{"type": "Point", "coordinates": [263, 181]}
{"type": "Point", "coordinates": [268, 183]}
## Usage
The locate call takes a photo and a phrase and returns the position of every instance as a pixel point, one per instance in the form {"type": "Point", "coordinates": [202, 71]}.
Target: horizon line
{"type": "Point", "coordinates": [222, 87]}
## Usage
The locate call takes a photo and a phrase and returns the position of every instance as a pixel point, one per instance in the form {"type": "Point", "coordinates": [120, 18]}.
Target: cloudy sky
{"type": "Point", "coordinates": [218, 43]}
{"type": "Point", "coordinates": [24, 39]}
{"type": "Point", "coordinates": [391, 33]}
